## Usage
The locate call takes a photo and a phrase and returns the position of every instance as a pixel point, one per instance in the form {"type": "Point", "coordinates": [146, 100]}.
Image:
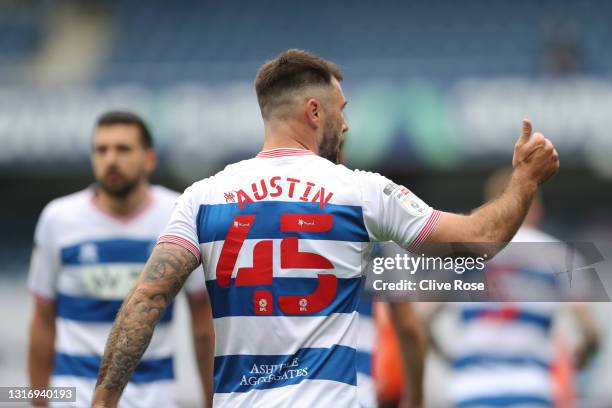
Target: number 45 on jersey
{"type": "Point", "coordinates": [261, 274]}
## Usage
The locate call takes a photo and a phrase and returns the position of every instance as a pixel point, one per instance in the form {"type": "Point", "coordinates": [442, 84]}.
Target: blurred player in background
{"type": "Point", "coordinates": [89, 248]}
{"type": "Point", "coordinates": [282, 237]}
{"type": "Point", "coordinates": [506, 354]}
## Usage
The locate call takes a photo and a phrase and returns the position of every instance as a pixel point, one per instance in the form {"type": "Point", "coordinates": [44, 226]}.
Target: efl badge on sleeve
{"type": "Point", "coordinates": [413, 204]}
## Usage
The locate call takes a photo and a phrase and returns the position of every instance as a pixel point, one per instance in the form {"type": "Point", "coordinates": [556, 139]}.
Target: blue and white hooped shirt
{"type": "Point", "coordinates": [86, 261]}
{"type": "Point", "coordinates": [281, 238]}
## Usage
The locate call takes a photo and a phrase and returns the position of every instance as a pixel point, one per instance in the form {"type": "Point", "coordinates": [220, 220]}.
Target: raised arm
{"type": "Point", "coordinates": [163, 276]}
{"type": "Point", "coordinates": [535, 161]}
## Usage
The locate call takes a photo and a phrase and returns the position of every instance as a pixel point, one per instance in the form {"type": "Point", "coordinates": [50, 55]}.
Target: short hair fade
{"type": "Point", "coordinates": [127, 118]}
{"type": "Point", "coordinates": [291, 70]}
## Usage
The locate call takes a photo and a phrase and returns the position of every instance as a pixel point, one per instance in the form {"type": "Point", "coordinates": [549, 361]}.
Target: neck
{"type": "Point", "coordinates": [124, 206]}
{"type": "Point", "coordinates": [287, 134]}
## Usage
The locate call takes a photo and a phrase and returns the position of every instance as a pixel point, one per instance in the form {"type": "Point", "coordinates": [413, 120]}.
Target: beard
{"type": "Point", "coordinates": [120, 189]}
{"type": "Point", "coordinates": [329, 148]}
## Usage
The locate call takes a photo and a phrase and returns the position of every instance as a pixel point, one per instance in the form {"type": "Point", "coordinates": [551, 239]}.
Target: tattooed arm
{"type": "Point", "coordinates": [163, 276]}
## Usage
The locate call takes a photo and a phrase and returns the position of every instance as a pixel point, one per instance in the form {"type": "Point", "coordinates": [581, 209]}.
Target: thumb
{"type": "Point", "coordinates": [525, 132]}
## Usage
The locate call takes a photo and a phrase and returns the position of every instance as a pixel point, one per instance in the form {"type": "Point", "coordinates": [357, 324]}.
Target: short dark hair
{"type": "Point", "coordinates": [127, 118]}
{"type": "Point", "coordinates": [291, 70]}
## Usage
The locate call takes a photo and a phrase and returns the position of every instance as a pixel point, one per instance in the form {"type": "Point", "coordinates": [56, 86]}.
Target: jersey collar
{"type": "Point", "coordinates": [146, 205]}
{"type": "Point", "coordinates": [282, 152]}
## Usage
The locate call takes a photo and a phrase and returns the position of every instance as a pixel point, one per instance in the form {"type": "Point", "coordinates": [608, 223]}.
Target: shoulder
{"type": "Point", "coordinates": [58, 211]}
{"type": "Point", "coordinates": [198, 191]}
{"type": "Point", "coordinates": [336, 170]}
{"type": "Point", "coordinates": [326, 165]}
{"type": "Point", "coordinates": [68, 204]}
{"type": "Point", "coordinates": [239, 167]}
{"type": "Point", "coordinates": [370, 176]}
{"type": "Point", "coordinates": [375, 185]}
{"type": "Point", "coordinates": [164, 194]}
{"type": "Point", "coordinates": [163, 200]}
{"type": "Point", "coordinates": [224, 178]}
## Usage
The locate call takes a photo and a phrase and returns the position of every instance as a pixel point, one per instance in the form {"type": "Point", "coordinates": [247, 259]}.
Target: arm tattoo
{"type": "Point", "coordinates": [163, 276]}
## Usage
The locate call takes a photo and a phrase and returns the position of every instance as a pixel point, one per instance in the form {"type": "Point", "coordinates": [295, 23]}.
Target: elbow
{"type": "Point", "coordinates": [203, 333]}
{"type": "Point", "coordinates": [203, 329]}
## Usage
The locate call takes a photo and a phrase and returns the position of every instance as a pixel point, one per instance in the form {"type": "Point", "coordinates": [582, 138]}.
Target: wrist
{"type": "Point", "coordinates": [522, 182]}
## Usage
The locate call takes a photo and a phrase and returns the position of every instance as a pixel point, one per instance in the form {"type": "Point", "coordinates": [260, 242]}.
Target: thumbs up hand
{"type": "Point", "coordinates": [535, 158]}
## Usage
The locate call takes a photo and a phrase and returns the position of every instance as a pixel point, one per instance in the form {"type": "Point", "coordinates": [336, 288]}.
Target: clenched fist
{"type": "Point", "coordinates": [535, 158]}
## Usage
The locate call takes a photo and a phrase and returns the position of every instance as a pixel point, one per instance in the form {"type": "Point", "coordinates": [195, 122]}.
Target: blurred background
{"type": "Point", "coordinates": [436, 92]}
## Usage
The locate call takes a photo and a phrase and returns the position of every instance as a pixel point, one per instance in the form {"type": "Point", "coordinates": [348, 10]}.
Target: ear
{"type": "Point", "coordinates": [151, 159]}
{"type": "Point", "coordinates": [313, 113]}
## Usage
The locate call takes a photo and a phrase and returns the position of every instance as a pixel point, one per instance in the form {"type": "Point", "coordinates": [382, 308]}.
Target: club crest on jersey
{"type": "Point", "coordinates": [88, 253]}
{"type": "Point", "coordinates": [229, 196]}
{"type": "Point", "coordinates": [263, 303]}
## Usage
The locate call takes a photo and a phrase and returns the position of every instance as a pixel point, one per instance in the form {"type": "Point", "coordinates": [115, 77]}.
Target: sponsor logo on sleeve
{"type": "Point", "coordinates": [389, 188]}
{"type": "Point", "coordinates": [413, 204]}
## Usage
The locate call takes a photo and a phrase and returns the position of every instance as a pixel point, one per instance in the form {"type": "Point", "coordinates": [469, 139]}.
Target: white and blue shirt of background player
{"type": "Point", "coordinates": [86, 260]}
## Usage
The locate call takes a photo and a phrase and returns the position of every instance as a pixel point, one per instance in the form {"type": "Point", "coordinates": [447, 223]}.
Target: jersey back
{"type": "Point", "coordinates": [281, 238]}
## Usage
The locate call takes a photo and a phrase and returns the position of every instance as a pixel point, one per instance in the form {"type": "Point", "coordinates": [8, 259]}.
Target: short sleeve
{"type": "Point", "coordinates": [182, 227]}
{"type": "Point", "coordinates": [44, 264]}
{"type": "Point", "coordinates": [394, 213]}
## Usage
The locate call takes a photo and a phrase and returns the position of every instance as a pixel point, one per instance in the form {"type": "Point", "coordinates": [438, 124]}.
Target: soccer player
{"type": "Point", "coordinates": [281, 237]}
{"type": "Point", "coordinates": [90, 246]}
{"type": "Point", "coordinates": [504, 354]}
